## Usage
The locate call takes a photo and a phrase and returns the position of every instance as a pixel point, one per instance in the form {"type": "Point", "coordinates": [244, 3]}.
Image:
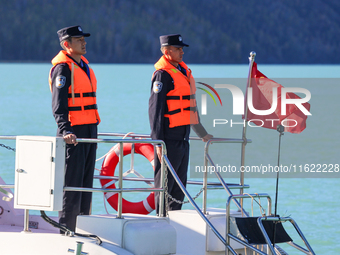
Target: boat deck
{"type": "Point", "coordinates": [18, 229]}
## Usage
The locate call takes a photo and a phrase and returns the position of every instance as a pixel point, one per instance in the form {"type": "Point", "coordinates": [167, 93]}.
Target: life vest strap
{"type": "Point", "coordinates": [88, 94]}
{"type": "Point", "coordinates": [194, 109]}
{"type": "Point", "coordinates": [179, 97]}
{"type": "Point", "coordinates": [86, 107]}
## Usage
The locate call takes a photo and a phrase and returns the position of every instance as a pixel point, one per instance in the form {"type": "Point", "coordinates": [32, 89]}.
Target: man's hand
{"type": "Point", "coordinates": [71, 139]}
{"type": "Point", "coordinates": [159, 152]}
{"type": "Point", "coordinates": [207, 137]}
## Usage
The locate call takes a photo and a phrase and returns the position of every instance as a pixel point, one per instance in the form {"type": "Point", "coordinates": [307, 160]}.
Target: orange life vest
{"type": "Point", "coordinates": [181, 100]}
{"type": "Point", "coordinates": [82, 103]}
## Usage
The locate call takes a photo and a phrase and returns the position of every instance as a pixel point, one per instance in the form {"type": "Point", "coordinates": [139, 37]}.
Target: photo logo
{"type": "Point", "coordinates": [204, 97]}
{"type": "Point", "coordinates": [238, 100]}
{"type": "Point", "coordinates": [265, 103]}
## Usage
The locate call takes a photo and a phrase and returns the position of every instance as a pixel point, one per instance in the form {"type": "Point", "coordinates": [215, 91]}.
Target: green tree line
{"type": "Point", "coordinates": [218, 31]}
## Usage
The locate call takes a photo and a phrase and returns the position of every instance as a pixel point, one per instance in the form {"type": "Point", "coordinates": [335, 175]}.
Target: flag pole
{"type": "Point", "coordinates": [279, 129]}
{"type": "Point", "coordinates": [251, 62]}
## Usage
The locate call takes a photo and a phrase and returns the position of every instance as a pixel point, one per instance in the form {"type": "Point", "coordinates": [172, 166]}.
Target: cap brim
{"type": "Point", "coordinates": [83, 34]}
{"type": "Point", "coordinates": [181, 45]}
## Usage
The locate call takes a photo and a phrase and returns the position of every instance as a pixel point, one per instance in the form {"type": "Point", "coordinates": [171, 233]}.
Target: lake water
{"type": "Point", "coordinates": [123, 92]}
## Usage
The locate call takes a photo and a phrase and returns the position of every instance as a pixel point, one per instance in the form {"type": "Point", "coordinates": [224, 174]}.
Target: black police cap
{"type": "Point", "coordinates": [174, 40]}
{"type": "Point", "coordinates": [74, 31]}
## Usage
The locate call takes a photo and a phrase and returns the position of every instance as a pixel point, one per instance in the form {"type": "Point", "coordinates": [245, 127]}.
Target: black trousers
{"type": "Point", "coordinates": [178, 154]}
{"type": "Point", "coordinates": [80, 164]}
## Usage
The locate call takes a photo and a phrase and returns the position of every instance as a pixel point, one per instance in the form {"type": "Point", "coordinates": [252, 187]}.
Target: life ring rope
{"type": "Point", "coordinates": [126, 135]}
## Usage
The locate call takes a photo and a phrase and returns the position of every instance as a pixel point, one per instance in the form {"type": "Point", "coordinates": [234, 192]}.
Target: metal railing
{"type": "Point", "coordinates": [220, 184]}
{"type": "Point", "coordinates": [208, 159]}
{"type": "Point", "coordinates": [234, 198]}
{"type": "Point", "coordinates": [284, 219]}
{"type": "Point", "coordinates": [120, 188]}
{"type": "Point", "coordinates": [267, 217]}
{"type": "Point", "coordinates": [172, 171]}
{"type": "Point", "coordinates": [205, 183]}
{"type": "Point", "coordinates": [229, 236]}
{"type": "Point", "coordinates": [165, 161]}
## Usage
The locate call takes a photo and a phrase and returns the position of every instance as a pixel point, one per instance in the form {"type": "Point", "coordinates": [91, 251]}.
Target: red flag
{"type": "Point", "coordinates": [294, 120]}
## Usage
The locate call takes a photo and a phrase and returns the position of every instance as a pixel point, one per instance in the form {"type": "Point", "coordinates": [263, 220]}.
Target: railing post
{"type": "Point", "coordinates": [120, 182]}
{"type": "Point", "coordinates": [227, 227]}
{"type": "Point", "coordinates": [132, 157]}
{"type": "Point", "coordinates": [205, 181]}
{"type": "Point", "coordinates": [26, 221]}
{"type": "Point", "coordinates": [162, 194]}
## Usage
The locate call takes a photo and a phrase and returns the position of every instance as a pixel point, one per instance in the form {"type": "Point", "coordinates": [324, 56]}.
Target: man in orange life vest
{"type": "Point", "coordinates": [73, 85]}
{"type": "Point", "coordinates": [172, 111]}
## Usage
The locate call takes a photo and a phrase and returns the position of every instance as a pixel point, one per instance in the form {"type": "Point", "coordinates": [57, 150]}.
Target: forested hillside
{"type": "Point", "coordinates": [218, 31]}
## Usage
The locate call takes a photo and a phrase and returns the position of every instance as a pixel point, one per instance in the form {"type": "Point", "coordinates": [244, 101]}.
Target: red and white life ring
{"type": "Point", "coordinates": [108, 169]}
